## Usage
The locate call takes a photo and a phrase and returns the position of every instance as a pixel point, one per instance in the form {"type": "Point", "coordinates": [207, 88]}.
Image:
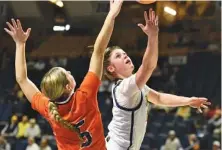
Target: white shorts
{"type": "Point", "coordinates": [112, 145]}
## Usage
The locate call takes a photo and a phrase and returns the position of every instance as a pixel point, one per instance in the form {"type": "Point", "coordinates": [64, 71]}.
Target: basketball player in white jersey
{"type": "Point", "coordinates": [131, 95]}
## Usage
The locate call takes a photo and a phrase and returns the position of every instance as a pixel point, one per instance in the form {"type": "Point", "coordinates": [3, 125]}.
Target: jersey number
{"type": "Point", "coordinates": [84, 135]}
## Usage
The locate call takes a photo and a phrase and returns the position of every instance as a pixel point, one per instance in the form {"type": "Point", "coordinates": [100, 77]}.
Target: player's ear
{"type": "Point", "coordinates": [110, 69]}
{"type": "Point", "coordinates": [68, 87]}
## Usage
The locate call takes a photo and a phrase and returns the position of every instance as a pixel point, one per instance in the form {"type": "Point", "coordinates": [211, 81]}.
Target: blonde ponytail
{"type": "Point", "coordinates": [53, 110]}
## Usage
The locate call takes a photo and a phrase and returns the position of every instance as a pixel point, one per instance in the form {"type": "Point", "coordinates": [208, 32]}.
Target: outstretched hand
{"type": "Point", "coordinates": [16, 32]}
{"type": "Point", "coordinates": [199, 103]}
{"type": "Point", "coordinates": [115, 7]}
{"type": "Point", "coordinates": [151, 27]}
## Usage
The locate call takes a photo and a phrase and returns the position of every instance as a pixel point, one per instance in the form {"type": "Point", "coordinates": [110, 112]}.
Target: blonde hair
{"type": "Point", "coordinates": [53, 83]}
{"type": "Point", "coordinates": [53, 86]}
{"type": "Point", "coordinates": [106, 74]}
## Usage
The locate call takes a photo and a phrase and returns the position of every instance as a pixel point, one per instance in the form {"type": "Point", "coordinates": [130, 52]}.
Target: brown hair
{"type": "Point", "coordinates": [53, 86]}
{"type": "Point", "coordinates": [106, 74]}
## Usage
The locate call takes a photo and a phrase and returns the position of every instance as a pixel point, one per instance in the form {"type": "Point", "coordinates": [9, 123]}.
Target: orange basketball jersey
{"type": "Point", "coordinates": [82, 111]}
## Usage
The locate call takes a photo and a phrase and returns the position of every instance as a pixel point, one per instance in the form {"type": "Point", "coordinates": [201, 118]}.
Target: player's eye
{"type": "Point", "coordinates": [118, 56]}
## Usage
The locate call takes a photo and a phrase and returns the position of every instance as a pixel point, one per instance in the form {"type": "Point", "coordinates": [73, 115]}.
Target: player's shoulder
{"type": "Point", "coordinates": [90, 82]}
{"type": "Point", "coordinates": [129, 80]}
{"type": "Point", "coordinates": [126, 82]}
{"type": "Point", "coordinates": [91, 76]}
{"type": "Point", "coordinates": [39, 95]}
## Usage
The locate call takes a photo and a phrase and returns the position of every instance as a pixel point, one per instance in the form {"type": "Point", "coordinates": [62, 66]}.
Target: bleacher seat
{"type": "Point", "coordinates": [2, 106]}
{"type": "Point", "coordinates": [161, 138]}
{"type": "Point", "coordinates": [7, 112]}
{"type": "Point", "coordinates": [21, 144]}
{"type": "Point", "coordinates": [184, 141]}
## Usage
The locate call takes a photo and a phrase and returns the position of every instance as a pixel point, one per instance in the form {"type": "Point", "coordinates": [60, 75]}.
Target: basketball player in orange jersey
{"type": "Point", "coordinates": [74, 116]}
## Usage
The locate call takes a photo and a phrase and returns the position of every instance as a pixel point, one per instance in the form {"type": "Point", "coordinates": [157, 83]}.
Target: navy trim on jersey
{"type": "Point", "coordinates": [131, 130]}
{"type": "Point", "coordinates": [65, 101]}
{"type": "Point", "coordinates": [124, 108]}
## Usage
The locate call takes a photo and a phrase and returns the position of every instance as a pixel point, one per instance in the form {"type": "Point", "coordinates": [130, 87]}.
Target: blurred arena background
{"type": "Point", "coordinates": [63, 34]}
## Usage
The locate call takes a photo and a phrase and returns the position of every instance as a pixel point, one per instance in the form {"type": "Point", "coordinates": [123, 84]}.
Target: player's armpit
{"type": "Point", "coordinates": [153, 96]}
{"type": "Point", "coordinates": [40, 104]}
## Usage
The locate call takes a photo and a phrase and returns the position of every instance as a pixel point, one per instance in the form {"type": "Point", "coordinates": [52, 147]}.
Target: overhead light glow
{"type": "Point", "coordinates": [58, 28]}
{"type": "Point", "coordinates": [59, 3]}
{"type": "Point", "coordinates": [61, 28]}
{"type": "Point", "coordinates": [170, 11]}
{"type": "Point", "coordinates": [67, 27]}
{"type": "Point", "coordinates": [53, 1]}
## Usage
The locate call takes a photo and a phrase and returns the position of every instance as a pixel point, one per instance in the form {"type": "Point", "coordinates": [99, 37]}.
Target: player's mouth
{"type": "Point", "coordinates": [128, 61]}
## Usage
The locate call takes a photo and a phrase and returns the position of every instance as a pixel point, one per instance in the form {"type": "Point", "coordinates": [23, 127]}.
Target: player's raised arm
{"type": "Point", "coordinates": [150, 57]}
{"type": "Point", "coordinates": [20, 37]}
{"type": "Point", "coordinates": [171, 100]}
{"type": "Point", "coordinates": [96, 63]}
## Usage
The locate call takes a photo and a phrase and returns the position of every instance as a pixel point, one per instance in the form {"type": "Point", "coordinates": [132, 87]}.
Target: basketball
{"type": "Point", "coordinates": [146, 1]}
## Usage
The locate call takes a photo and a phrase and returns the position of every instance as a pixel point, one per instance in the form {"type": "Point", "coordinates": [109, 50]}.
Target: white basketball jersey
{"type": "Point", "coordinates": [128, 125]}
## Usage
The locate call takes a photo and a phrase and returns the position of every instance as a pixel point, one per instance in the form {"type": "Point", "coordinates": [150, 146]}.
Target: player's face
{"type": "Point", "coordinates": [120, 64]}
{"type": "Point", "coordinates": [72, 83]}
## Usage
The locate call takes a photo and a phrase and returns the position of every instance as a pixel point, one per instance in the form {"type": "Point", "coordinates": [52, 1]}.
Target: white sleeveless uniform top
{"type": "Point", "coordinates": [130, 110]}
